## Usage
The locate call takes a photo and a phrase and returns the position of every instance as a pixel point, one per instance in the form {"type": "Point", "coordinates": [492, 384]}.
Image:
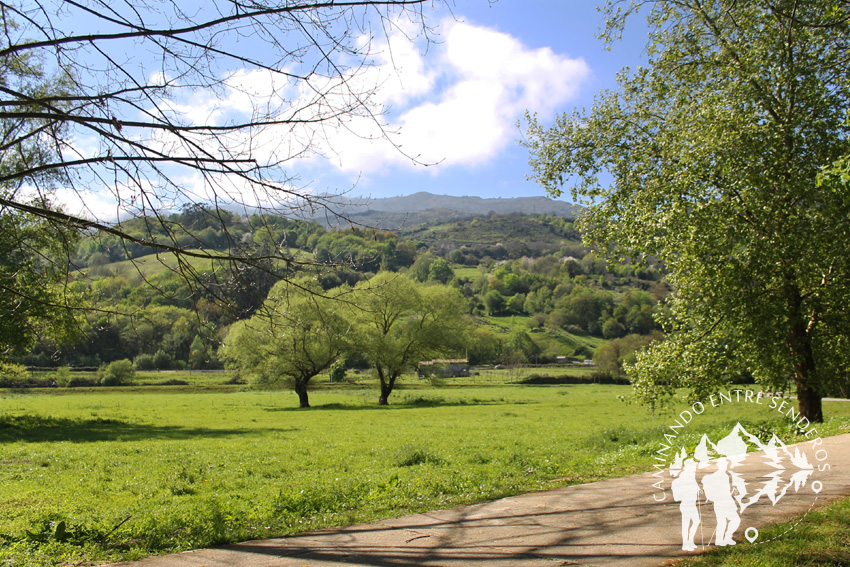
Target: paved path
{"type": "Point", "coordinates": [608, 523]}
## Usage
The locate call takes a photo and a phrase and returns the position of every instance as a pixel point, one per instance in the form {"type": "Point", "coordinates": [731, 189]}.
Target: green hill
{"type": "Point", "coordinates": [500, 236]}
{"type": "Point", "coordinates": [398, 213]}
{"type": "Point", "coordinates": [535, 291]}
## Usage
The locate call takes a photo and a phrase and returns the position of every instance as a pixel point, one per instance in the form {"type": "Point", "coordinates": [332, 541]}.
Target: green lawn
{"type": "Point", "coordinates": [110, 474]}
{"type": "Point", "coordinates": [152, 265]}
{"type": "Point", "coordinates": [470, 273]}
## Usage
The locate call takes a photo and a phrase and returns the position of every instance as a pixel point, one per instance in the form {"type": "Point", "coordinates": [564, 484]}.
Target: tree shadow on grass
{"type": "Point", "coordinates": [401, 404]}
{"type": "Point", "coordinates": [39, 428]}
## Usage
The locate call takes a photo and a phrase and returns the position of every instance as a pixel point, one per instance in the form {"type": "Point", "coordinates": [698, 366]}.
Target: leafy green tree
{"type": "Point", "coordinates": [556, 320]}
{"type": "Point", "coordinates": [519, 340]}
{"type": "Point", "coordinates": [421, 268]}
{"type": "Point", "coordinates": [708, 159]}
{"type": "Point", "coordinates": [614, 355]}
{"type": "Point", "coordinates": [440, 271]}
{"type": "Point", "coordinates": [483, 346]}
{"type": "Point", "coordinates": [640, 319]}
{"type": "Point", "coordinates": [35, 303]}
{"type": "Point", "coordinates": [495, 302]}
{"type": "Point", "coordinates": [201, 354]}
{"type": "Point", "coordinates": [613, 329]}
{"type": "Point", "coordinates": [163, 330]}
{"type": "Point", "coordinates": [34, 253]}
{"type": "Point", "coordinates": [299, 333]}
{"type": "Point", "coordinates": [512, 284]}
{"type": "Point", "coordinates": [162, 360]}
{"type": "Point", "coordinates": [400, 323]}
{"type": "Point", "coordinates": [144, 362]}
{"type": "Point", "coordinates": [538, 301]}
{"type": "Point", "coordinates": [13, 375]}
{"type": "Point", "coordinates": [584, 307]}
{"type": "Point", "coordinates": [516, 303]}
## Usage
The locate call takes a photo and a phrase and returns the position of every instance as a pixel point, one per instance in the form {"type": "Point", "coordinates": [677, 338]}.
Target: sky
{"type": "Point", "coordinates": [456, 107]}
{"type": "Point", "coordinates": [451, 106]}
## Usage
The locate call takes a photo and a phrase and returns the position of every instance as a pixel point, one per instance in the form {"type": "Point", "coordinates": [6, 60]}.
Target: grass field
{"type": "Point", "coordinates": [152, 265]}
{"type": "Point", "coordinates": [109, 474]}
{"type": "Point", "coordinates": [551, 343]}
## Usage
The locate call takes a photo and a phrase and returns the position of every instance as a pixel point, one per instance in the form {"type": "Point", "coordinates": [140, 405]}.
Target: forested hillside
{"type": "Point", "coordinates": [534, 292]}
{"type": "Point", "coordinates": [426, 208]}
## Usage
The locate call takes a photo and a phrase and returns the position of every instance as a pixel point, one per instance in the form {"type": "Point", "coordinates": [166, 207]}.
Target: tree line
{"type": "Point", "coordinates": [146, 311]}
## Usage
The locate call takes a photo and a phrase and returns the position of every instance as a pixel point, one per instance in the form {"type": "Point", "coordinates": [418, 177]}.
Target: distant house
{"type": "Point", "coordinates": [571, 360]}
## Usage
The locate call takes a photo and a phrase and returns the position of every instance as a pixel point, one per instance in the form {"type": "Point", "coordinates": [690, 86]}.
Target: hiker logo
{"type": "Point", "coordinates": [733, 474]}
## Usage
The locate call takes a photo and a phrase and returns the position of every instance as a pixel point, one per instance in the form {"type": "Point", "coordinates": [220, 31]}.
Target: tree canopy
{"type": "Point", "coordinates": [303, 333]}
{"type": "Point", "coordinates": [708, 159]}
{"type": "Point", "coordinates": [34, 302]}
{"type": "Point", "coordinates": [400, 323]}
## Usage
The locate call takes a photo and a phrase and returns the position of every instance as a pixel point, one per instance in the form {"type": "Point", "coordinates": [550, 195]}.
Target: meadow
{"type": "Point", "coordinates": [96, 475]}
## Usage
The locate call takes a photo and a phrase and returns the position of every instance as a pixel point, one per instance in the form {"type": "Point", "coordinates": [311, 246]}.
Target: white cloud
{"type": "Point", "coordinates": [453, 104]}
{"type": "Point", "coordinates": [458, 105]}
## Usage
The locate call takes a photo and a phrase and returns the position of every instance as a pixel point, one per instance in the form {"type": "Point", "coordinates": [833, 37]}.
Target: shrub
{"type": "Point", "coordinates": [595, 378]}
{"type": "Point", "coordinates": [63, 377]}
{"type": "Point", "coordinates": [337, 372]}
{"type": "Point", "coordinates": [117, 373]}
{"type": "Point", "coordinates": [162, 360]}
{"type": "Point", "coordinates": [13, 375]}
{"type": "Point", "coordinates": [77, 382]}
{"type": "Point", "coordinates": [145, 362]}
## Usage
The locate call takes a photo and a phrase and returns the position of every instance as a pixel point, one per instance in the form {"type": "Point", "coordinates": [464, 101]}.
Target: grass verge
{"type": "Point", "coordinates": [821, 539]}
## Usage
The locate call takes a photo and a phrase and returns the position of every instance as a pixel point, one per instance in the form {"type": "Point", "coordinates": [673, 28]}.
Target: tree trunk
{"type": "Point", "coordinates": [805, 371]}
{"type": "Point", "coordinates": [386, 390]}
{"type": "Point", "coordinates": [809, 403]}
{"type": "Point", "coordinates": [387, 384]}
{"type": "Point", "coordinates": [303, 398]}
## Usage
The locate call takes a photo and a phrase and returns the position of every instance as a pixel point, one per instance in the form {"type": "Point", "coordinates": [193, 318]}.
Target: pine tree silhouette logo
{"type": "Point", "coordinates": [714, 478]}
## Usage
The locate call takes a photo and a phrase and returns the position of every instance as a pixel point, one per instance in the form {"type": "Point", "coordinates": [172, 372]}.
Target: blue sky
{"type": "Point", "coordinates": [452, 104]}
{"type": "Point", "coordinates": [510, 55]}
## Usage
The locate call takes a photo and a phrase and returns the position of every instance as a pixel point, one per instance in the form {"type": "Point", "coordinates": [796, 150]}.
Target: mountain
{"type": "Point", "coordinates": [423, 207]}
{"type": "Point", "coordinates": [424, 201]}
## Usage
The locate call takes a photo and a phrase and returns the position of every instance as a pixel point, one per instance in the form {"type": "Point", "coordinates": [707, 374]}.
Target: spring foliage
{"type": "Point", "coordinates": [714, 152]}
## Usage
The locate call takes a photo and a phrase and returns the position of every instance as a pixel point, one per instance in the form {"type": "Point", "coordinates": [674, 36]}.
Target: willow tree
{"type": "Point", "coordinates": [399, 323]}
{"type": "Point", "coordinates": [299, 333]}
{"type": "Point", "coordinates": [708, 159]}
